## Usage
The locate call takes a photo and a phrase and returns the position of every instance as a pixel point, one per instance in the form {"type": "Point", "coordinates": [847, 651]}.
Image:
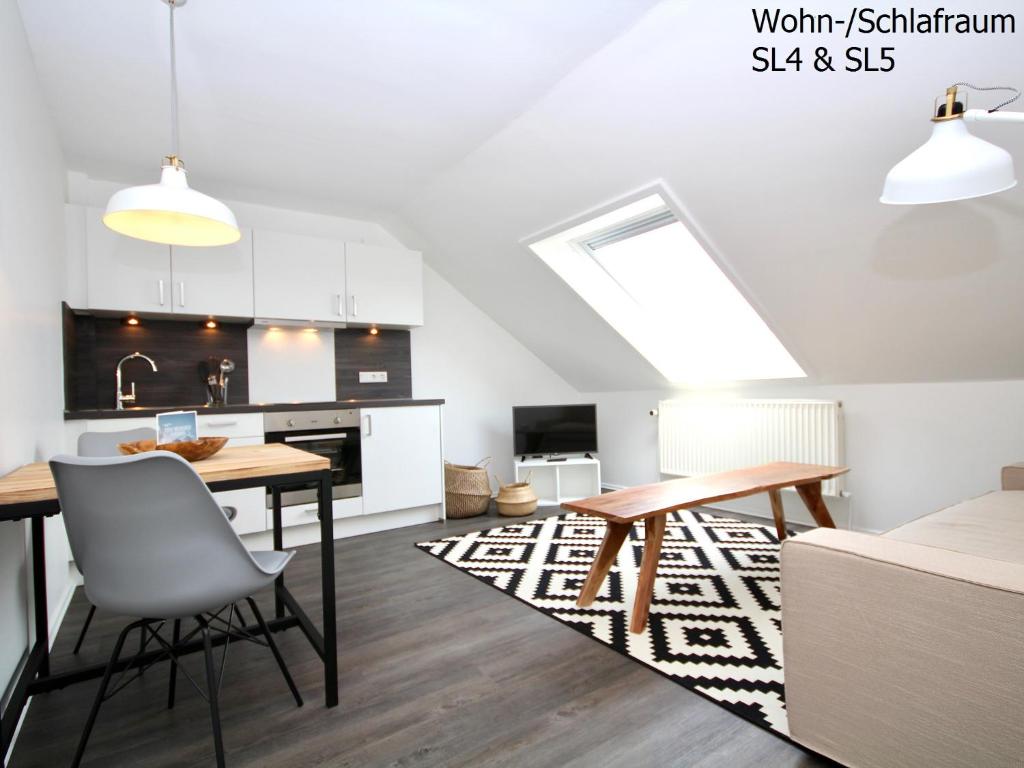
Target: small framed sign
{"type": "Point", "coordinates": [176, 427]}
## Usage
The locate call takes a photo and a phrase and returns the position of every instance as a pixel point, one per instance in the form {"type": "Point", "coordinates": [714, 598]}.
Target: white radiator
{"type": "Point", "coordinates": [700, 436]}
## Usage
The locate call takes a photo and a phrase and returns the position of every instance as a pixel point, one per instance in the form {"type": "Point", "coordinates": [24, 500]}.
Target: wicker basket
{"type": "Point", "coordinates": [516, 499]}
{"type": "Point", "coordinates": [467, 490]}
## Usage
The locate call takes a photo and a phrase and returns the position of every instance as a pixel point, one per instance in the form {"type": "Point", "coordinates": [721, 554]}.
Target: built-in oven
{"type": "Point", "coordinates": [331, 434]}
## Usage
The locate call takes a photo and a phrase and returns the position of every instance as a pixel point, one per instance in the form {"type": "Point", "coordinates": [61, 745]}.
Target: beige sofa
{"type": "Point", "coordinates": [907, 649]}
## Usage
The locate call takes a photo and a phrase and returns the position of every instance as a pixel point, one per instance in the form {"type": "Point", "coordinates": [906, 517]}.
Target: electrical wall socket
{"type": "Point", "coordinates": [373, 377]}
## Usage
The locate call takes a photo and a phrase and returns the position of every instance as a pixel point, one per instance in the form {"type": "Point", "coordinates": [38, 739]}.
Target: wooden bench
{"type": "Point", "coordinates": [652, 504]}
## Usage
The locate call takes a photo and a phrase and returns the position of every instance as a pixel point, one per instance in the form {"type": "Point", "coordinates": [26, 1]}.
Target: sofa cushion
{"type": "Point", "coordinates": [989, 526]}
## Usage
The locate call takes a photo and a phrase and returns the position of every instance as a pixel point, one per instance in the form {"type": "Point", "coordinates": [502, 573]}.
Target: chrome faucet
{"type": "Point", "coordinates": [123, 398]}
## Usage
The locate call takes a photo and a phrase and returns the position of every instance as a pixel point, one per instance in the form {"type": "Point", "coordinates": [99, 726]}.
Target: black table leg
{"type": "Point", "coordinates": [39, 588]}
{"type": "Point", "coordinates": [325, 497]}
{"type": "Point", "coordinates": [275, 496]}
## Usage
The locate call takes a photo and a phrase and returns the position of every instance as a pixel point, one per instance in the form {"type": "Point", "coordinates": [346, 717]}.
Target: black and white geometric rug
{"type": "Point", "coordinates": [715, 623]}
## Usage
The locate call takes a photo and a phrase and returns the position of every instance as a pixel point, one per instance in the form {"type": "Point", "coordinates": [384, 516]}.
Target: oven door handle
{"type": "Point", "coordinates": [313, 438]}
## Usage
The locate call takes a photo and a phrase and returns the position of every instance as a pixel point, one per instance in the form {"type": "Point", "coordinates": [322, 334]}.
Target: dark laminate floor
{"type": "Point", "coordinates": [437, 669]}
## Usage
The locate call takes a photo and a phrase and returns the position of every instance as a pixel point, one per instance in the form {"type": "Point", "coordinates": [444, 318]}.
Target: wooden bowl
{"type": "Point", "coordinates": [192, 450]}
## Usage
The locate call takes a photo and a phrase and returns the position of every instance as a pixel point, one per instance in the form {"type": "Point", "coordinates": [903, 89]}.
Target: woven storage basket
{"type": "Point", "coordinates": [516, 499]}
{"type": "Point", "coordinates": [467, 490]}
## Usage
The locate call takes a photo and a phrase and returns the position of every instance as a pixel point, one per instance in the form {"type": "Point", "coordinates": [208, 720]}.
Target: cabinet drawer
{"type": "Point", "coordinates": [303, 514]}
{"type": "Point", "coordinates": [231, 425]}
{"type": "Point", "coordinates": [119, 425]}
{"type": "Point", "coordinates": [219, 425]}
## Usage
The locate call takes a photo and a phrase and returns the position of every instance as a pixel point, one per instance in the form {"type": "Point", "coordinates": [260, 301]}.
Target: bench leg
{"type": "Point", "coordinates": [778, 513]}
{"type": "Point", "coordinates": [654, 532]}
{"type": "Point", "coordinates": [811, 496]}
{"type": "Point", "coordinates": [614, 535]}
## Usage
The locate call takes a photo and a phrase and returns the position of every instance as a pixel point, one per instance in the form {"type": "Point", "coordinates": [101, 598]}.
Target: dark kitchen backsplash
{"type": "Point", "coordinates": [356, 349]}
{"type": "Point", "coordinates": [181, 348]}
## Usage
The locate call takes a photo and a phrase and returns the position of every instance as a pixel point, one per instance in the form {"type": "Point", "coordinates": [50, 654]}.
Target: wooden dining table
{"type": "Point", "coordinates": [654, 502]}
{"type": "Point", "coordinates": [29, 493]}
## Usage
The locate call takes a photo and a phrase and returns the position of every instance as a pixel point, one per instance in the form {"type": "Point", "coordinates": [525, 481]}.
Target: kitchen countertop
{"type": "Point", "coordinates": [206, 410]}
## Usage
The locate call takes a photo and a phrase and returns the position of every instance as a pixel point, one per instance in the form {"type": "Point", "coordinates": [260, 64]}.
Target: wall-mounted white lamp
{"type": "Point", "coordinates": [953, 164]}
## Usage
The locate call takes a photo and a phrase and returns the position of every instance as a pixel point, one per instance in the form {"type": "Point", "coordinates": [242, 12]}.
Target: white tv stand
{"type": "Point", "coordinates": [555, 482]}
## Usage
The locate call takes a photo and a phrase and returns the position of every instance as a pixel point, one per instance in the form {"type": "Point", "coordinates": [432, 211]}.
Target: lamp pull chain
{"type": "Point", "coordinates": [1008, 102]}
{"type": "Point", "coordinates": [174, 88]}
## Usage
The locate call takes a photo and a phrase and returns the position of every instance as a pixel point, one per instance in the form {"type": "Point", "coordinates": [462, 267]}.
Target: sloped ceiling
{"type": "Point", "coordinates": [320, 104]}
{"type": "Point", "coordinates": [472, 126]}
{"type": "Point", "coordinates": [782, 171]}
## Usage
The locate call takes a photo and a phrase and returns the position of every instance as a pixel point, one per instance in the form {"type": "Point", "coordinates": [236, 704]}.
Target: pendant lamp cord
{"type": "Point", "coordinates": [1008, 102]}
{"type": "Point", "coordinates": [174, 87]}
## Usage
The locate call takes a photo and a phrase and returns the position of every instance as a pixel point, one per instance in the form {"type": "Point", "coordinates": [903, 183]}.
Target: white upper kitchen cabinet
{"type": "Point", "coordinates": [298, 277]}
{"type": "Point", "coordinates": [123, 273]}
{"type": "Point", "coordinates": [385, 285]}
{"type": "Point", "coordinates": [213, 281]}
{"type": "Point", "coordinates": [401, 458]}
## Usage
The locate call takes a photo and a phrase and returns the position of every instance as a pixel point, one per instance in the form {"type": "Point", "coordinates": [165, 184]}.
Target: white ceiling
{"type": "Point", "coordinates": [478, 125]}
{"type": "Point", "coordinates": [339, 104]}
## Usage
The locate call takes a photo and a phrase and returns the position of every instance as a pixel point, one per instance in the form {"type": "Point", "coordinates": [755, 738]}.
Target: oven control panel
{"type": "Point", "coordinates": [298, 421]}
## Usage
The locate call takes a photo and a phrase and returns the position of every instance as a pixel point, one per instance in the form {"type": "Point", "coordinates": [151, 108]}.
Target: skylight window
{"type": "Point", "coordinates": [645, 273]}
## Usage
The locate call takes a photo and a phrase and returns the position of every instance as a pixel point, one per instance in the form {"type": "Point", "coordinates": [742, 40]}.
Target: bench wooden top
{"type": "Point", "coordinates": [34, 482]}
{"type": "Point", "coordinates": [643, 501]}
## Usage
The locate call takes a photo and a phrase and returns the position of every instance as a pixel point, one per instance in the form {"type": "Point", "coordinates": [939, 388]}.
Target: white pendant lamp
{"type": "Point", "coordinates": [170, 212]}
{"type": "Point", "coordinates": [953, 164]}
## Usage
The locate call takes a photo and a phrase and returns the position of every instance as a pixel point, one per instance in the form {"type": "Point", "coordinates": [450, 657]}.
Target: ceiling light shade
{"type": "Point", "coordinates": [951, 165]}
{"type": "Point", "coordinates": [172, 213]}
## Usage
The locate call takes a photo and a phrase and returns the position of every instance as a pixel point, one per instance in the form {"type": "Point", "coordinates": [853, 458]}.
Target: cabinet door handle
{"type": "Point", "coordinates": [355, 307]}
{"type": "Point", "coordinates": [160, 283]}
{"type": "Point", "coordinates": [225, 423]}
{"type": "Point", "coordinates": [341, 305]}
{"type": "Point", "coordinates": [181, 294]}
{"type": "Point", "coordinates": [369, 425]}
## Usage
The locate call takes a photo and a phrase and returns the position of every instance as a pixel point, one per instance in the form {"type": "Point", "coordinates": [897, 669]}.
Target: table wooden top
{"type": "Point", "coordinates": [34, 482]}
{"type": "Point", "coordinates": [632, 504]}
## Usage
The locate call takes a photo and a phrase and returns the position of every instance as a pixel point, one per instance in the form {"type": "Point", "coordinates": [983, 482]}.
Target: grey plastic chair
{"type": "Point", "coordinates": [152, 542]}
{"type": "Point", "coordinates": [105, 444]}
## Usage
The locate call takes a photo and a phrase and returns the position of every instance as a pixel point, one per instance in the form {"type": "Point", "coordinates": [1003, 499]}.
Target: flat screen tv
{"type": "Point", "coordinates": [547, 429]}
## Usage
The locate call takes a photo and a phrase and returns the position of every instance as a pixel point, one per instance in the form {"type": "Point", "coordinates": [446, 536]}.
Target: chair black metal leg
{"type": "Point", "coordinates": [273, 649]}
{"type": "Point", "coordinates": [172, 684]}
{"type": "Point", "coordinates": [85, 628]}
{"type": "Point", "coordinates": [142, 648]}
{"type": "Point", "coordinates": [101, 693]}
{"type": "Point", "coordinates": [211, 686]}
{"type": "Point", "coordinates": [241, 617]}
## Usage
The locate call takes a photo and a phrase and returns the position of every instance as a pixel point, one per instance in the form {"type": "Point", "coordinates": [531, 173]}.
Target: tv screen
{"type": "Point", "coordinates": [544, 429]}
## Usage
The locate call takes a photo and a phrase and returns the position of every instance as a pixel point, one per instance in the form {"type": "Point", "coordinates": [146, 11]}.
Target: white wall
{"type": "Point", "coordinates": [913, 448]}
{"type": "Point", "coordinates": [481, 370]}
{"type": "Point", "coordinates": [31, 285]}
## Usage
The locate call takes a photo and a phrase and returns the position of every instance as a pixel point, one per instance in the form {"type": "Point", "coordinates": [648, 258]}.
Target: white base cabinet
{"type": "Point", "coordinates": [401, 458]}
